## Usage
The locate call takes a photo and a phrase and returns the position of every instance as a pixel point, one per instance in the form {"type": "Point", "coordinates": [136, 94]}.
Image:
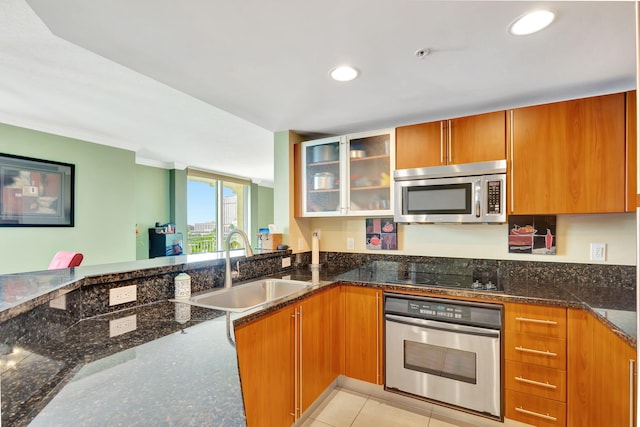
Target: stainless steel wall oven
{"type": "Point", "coordinates": [446, 351]}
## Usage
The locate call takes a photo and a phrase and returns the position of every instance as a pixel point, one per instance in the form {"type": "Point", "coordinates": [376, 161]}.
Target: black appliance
{"type": "Point", "coordinates": [164, 244]}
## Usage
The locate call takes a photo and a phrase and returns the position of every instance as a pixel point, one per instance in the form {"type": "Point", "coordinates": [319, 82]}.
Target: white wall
{"type": "Point", "coordinates": [574, 233]}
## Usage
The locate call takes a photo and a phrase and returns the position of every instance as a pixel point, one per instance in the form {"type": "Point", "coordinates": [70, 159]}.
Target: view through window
{"type": "Point", "coordinates": [214, 208]}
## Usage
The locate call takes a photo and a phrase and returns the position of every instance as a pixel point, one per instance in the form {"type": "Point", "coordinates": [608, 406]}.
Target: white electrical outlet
{"type": "Point", "coordinates": [350, 244]}
{"type": "Point", "coordinates": [122, 325]}
{"type": "Point", "coordinates": [286, 262]}
{"type": "Point", "coordinates": [598, 252]}
{"type": "Point", "coordinates": [60, 303]}
{"type": "Point", "coordinates": [123, 294]}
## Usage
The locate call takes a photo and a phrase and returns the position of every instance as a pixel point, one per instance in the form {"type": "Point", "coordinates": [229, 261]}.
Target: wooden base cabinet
{"type": "Point", "coordinates": [319, 326]}
{"type": "Point", "coordinates": [535, 364]}
{"type": "Point", "coordinates": [288, 358]}
{"type": "Point", "coordinates": [363, 333]}
{"type": "Point", "coordinates": [602, 374]}
{"type": "Point", "coordinates": [266, 362]}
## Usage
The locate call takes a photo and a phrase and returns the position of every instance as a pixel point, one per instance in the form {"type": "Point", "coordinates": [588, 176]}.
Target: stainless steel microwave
{"type": "Point", "coordinates": [465, 193]}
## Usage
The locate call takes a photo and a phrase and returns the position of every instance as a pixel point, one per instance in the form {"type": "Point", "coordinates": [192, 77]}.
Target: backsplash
{"type": "Point", "coordinates": [160, 286]}
{"type": "Point", "coordinates": [157, 284]}
{"type": "Point", "coordinates": [532, 272]}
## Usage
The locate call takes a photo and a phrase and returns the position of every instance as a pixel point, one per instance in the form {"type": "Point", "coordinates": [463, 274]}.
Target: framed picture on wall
{"type": "Point", "coordinates": [35, 193]}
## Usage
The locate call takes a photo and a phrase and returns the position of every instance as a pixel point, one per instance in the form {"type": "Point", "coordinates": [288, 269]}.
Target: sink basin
{"type": "Point", "coordinates": [249, 295]}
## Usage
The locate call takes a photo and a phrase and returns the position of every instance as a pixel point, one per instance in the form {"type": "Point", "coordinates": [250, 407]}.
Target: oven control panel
{"type": "Point", "coordinates": [438, 310]}
{"type": "Point", "coordinates": [444, 310]}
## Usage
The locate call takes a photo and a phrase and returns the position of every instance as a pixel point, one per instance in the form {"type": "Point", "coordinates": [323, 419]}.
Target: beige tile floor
{"type": "Point", "coordinates": [346, 408]}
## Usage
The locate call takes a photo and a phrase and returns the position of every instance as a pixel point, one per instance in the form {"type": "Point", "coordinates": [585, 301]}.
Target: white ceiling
{"type": "Point", "coordinates": [204, 83]}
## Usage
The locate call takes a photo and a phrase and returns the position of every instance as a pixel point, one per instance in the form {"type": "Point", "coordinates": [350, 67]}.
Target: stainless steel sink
{"type": "Point", "coordinates": [248, 295]}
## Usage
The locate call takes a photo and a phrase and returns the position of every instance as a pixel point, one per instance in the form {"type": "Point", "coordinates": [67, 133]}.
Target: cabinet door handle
{"type": "Point", "coordinates": [378, 338]}
{"type": "Point", "coordinates": [538, 383]}
{"type": "Point", "coordinates": [296, 367]}
{"type": "Point", "coordinates": [449, 143]}
{"type": "Point", "coordinates": [511, 155]}
{"type": "Point", "coordinates": [530, 350]}
{"type": "Point", "coordinates": [442, 132]}
{"type": "Point", "coordinates": [528, 320]}
{"type": "Point", "coordinates": [536, 414]}
{"type": "Point", "coordinates": [631, 393]}
{"type": "Point", "coordinates": [300, 361]}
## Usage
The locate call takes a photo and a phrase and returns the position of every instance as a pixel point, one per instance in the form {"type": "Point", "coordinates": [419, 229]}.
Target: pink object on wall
{"type": "Point", "coordinates": [65, 259]}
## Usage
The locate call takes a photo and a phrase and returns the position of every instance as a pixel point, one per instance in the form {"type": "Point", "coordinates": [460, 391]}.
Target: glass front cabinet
{"type": "Point", "coordinates": [348, 175]}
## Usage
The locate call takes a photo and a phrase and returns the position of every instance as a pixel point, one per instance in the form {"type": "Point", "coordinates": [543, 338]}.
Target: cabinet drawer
{"type": "Point", "coordinates": [536, 349]}
{"type": "Point", "coordinates": [535, 410]}
{"type": "Point", "coordinates": [536, 319]}
{"type": "Point", "coordinates": [537, 380]}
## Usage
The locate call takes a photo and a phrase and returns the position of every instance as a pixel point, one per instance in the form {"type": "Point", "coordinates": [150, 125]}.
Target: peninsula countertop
{"type": "Point", "coordinates": [179, 365]}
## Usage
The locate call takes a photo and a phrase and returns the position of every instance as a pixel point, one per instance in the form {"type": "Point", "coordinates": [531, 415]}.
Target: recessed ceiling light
{"type": "Point", "coordinates": [343, 73]}
{"type": "Point", "coordinates": [531, 22]}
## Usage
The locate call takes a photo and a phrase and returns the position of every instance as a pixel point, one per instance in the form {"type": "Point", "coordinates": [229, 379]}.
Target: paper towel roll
{"type": "Point", "coordinates": [315, 250]}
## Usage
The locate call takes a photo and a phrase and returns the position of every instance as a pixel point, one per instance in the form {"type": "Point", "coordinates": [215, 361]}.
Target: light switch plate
{"type": "Point", "coordinates": [598, 252]}
{"type": "Point", "coordinates": [286, 262]}
{"type": "Point", "coordinates": [350, 244]}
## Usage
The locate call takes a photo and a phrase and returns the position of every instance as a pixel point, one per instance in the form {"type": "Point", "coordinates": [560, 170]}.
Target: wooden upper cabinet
{"type": "Point", "coordinates": [631, 150]}
{"type": "Point", "coordinates": [420, 145]}
{"type": "Point", "coordinates": [568, 157]}
{"type": "Point", "coordinates": [477, 138]}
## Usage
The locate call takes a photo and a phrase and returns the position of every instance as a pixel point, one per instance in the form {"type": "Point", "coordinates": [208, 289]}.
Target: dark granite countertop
{"type": "Point", "coordinates": [614, 306]}
{"type": "Point", "coordinates": [178, 366]}
{"type": "Point", "coordinates": [21, 292]}
{"type": "Point", "coordinates": [168, 371]}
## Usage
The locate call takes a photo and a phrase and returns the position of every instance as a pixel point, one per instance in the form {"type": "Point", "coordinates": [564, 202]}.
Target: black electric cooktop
{"type": "Point", "coordinates": [415, 275]}
{"type": "Point", "coordinates": [443, 280]}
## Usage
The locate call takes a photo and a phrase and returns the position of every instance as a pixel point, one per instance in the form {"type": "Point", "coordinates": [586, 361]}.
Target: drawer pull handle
{"type": "Point", "coordinates": [544, 322]}
{"type": "Point", "coordinates": [536, 414]}
{"type": "Point", "coordinates": [528, 381]}
{"type": "Point", "coordinates": [530, 350]}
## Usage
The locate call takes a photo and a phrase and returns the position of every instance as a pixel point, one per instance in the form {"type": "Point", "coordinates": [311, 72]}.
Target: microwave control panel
{"type": "Point", "coordinates": [494, 196]}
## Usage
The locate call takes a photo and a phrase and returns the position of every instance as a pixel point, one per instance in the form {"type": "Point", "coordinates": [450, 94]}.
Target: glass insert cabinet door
{"type": "Point", "coordinates": [370, 172]}
{"type": "Point", "coordinates": [348, 175]}
{"type": "Point", "coordinates": [322, 177]}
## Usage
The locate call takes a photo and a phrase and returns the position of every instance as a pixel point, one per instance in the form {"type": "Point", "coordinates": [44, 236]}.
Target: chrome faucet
{"type": "Point", "coordinates": [228, 275]}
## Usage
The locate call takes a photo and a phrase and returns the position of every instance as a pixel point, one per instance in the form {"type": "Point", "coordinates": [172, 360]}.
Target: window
{"type": "Point", "coordinates": [215, 205]}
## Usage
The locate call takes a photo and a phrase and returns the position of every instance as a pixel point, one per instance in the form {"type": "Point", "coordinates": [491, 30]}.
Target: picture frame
{"type": "Point", "coordinates": [35, 192]}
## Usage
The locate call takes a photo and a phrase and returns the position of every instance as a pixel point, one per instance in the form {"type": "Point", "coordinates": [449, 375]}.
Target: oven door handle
{"type": "Point", "coordinates": [443, 326]}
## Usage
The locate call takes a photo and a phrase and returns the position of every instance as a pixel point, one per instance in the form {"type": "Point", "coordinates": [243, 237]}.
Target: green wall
{"type": "Point", "coordinates": [116, 202]}
{"type": "Point", "coordinates": [152, 204]}
{"type": "Point", "coordinates": [105, 203]}
{"type": "Point", "coordinates": [261, 209]}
